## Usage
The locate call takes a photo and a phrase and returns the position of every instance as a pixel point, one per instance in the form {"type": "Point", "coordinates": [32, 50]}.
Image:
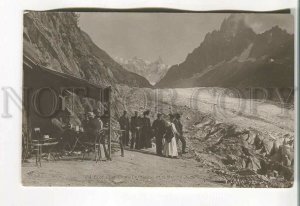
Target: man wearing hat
{"type": "Point", "coordinates": [105, 118]}
{"type": "Point", "coordinates": [96, 126]}
{"type": "Point", "coordinates": [146, 132]}
{"type": "Point", "coordinates": [159, 129]}
{"type": "Point", "coordinates": [124, 125]}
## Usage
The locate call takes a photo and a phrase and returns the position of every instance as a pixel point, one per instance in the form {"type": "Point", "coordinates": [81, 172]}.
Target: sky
{"type": "Point", "coordinates": [170, 36]}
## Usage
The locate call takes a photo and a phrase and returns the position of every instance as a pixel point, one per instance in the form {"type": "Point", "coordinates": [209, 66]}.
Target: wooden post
{"type": "Point", "coordinates": [109, 123]}
{"type": "Point", "coordinates": [26, 128]}
{"type": "Point", "coordinates": [25, 135]}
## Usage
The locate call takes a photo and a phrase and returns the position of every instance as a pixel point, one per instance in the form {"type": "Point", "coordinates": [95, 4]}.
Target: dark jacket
{"type": "Point", "coordinates": [159, 127]}
{"type": "Point", "coordinates": [124, 123]}
{"type": "Point", "coordinates": [146, 124]}
{"type": "Point", "coordinates": [135, 122]}
{"type": "Point", "coordinates": [105, 119]}
{"type": "Point", "coordinates": [95, 125]}
{"type": "Point", "coordinates": [178, 126]}
{"type": "Point", "coordinates": [146, 131]}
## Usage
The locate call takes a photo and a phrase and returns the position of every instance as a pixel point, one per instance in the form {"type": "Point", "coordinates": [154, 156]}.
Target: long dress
{"type": "Point", "coordinates": [146, 133]}
{"type": "Point", "coordinates": [170, 148]}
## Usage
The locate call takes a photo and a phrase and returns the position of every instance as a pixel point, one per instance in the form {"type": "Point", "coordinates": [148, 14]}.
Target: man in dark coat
{"type": "Point", "coordinates": [124, 125]}
{"type": "Point", "coordinates": [135, 124]}
{"type": "Point", "coordinates": [105, 119]}
{"type": "Point", "coordinates": [179, 129]}
{"type": "Point", "coordinates": [159, 129]}
{"type": "Point", "coordinates": [146, 132]}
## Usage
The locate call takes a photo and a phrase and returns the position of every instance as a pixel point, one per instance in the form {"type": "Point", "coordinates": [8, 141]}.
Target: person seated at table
{"type": "Point", "coordinates": [57, 126]}
{"type": "Point", "coordinates": [61, 129]}
{"type": "Point", "coordinates": [86, 126]}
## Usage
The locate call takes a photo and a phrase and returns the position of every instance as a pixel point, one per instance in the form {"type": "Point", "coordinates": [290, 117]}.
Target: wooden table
{"type": "Point", "coordinates": [38, 148]}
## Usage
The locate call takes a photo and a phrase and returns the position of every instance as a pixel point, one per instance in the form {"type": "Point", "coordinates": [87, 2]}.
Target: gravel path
{"type": "Point", "coordinates": [137, 168]}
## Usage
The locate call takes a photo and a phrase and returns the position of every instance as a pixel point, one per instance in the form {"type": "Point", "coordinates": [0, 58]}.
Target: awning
{"type": "Point", "coordinates": [37, 77]}
{"type": "Point", "coordinates": [44, 87]}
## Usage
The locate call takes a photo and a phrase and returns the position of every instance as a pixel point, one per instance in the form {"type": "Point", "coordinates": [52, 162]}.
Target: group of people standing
{"type": "Point", "coordinates": [166, 133]}
{"type": "Point", "coordinates": [137, 132]}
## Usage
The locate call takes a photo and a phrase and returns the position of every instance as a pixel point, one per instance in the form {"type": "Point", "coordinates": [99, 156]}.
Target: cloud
{"type": "Point", "coordinates": [262, 22]}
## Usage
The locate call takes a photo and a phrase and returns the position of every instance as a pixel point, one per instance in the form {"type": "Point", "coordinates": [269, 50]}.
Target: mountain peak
{"type": "Point", "coordinates": [160, 60]}
{"type": "Point", "coordinates": [219, 51]}
{"type": "Point", "coordinates": [276, 33]}
{"type": "Point", "coordinates": [277, 29]}
{"type": "Point", "coordinates": [151, 70]}
{"type": "Point", "coordinates": [234, 23]}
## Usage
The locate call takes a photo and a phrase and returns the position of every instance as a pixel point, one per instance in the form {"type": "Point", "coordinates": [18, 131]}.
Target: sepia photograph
{"type": "Point", "coordinates": [158, 99]}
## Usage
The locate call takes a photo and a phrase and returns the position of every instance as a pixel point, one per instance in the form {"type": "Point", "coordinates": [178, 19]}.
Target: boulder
{"type": "Point", "coordinates": [287, 150]}
{"type": "Point", "coordinates": [246, 172]}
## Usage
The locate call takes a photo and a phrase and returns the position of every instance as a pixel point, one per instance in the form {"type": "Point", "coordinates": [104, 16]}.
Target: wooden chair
{"type": "Point", "coordinates": [38, 142]}
{"type": "Point", "coordinates": [37, 145]}
{"type": "Point", "coordinates": [95, 146]}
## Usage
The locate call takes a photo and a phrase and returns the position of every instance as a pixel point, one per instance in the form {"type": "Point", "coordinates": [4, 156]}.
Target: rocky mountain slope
{"type": "Point", "coordinates": [244, 149]}
{"type": "Point", "coordinates": [54, 40]}
{"type": "Point", "coordinates": [235, 56]}
{"type": "Point", "coordinates": [152, 71]}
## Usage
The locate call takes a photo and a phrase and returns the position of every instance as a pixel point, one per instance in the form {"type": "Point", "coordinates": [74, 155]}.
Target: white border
{"type": "Point", "coordinates": [11, 191]}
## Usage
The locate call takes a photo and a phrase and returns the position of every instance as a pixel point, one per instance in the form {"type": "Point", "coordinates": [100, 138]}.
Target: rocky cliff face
{"type": "Point", "coordinates": [235, 56]}
{"type": "Point", "coordinates": [54, 40]}
{"type": "Point", "coordinates": [152, 71]}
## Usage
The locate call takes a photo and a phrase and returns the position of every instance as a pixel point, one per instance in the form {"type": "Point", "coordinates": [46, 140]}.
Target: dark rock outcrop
{"type": "Point", "coordinates": [55, 41]}
{"type": "Point", "coordinates": [235, 56]}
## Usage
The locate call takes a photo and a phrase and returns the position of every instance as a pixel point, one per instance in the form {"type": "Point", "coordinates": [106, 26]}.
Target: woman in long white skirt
{"type": "Point", "coordinates": [170, 146]}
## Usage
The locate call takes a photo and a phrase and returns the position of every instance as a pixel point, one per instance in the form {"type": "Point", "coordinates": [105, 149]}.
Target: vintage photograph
{"type": "Point", "coordinates": [158, 99]}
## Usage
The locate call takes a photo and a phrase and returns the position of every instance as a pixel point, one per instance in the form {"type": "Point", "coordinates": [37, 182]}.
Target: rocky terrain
{"type": "Point", "coordinates": [54, 40]}
{"type": "Point", "coordinates": [237, 150]}
{"type": "Point", "coordinates": [236, 56]}
{"type": "Point", "coordinates": [243, 149]}
{"type": "Point", "coordinates": [153, 71]}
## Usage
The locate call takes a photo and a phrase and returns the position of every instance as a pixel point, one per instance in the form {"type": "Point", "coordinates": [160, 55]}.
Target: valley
{"type": "Point", "coordinates": [234, 139]}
